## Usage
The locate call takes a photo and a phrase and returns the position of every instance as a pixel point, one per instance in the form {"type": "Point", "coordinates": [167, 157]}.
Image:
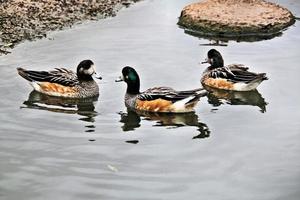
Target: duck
{"type": "Point", "coordinates": [234, 77]}
{"type": "Point", "coordinates": [158, 99]}
{"type": "Point", "coordinates": [62, 82]}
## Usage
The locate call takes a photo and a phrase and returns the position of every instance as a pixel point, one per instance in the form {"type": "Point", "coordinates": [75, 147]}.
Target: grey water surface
{"type": "Point", "coordinates": [235, 145]}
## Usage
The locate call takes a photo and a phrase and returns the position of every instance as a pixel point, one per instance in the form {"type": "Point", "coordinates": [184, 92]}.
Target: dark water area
{"type": "Point", "coordinates": [235, 145]}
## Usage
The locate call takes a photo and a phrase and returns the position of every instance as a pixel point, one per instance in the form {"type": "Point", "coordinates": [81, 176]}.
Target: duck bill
{"type": "Point", "coordinates": [94, 73]}
{"type": "Point", "coordinates": [206, 61]}
{"type": "Point", "coordinates": [120, 79]}
{"type": "Point", "coordinates": [97, 76]}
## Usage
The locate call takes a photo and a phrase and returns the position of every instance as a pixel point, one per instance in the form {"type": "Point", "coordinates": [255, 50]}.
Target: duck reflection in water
{"type": "Point", "coordinates": [132, 120]}
{"type": "Point", "coordinates": [84, 107]}
{"type": "Point", "coordinates": [218, 97]}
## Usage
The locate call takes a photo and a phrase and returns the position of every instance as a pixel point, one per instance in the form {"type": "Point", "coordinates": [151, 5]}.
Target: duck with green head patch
{"type": "Point", "coordinates": [158, 99]}
{"type": "Point", "coordinates": [235, 77]}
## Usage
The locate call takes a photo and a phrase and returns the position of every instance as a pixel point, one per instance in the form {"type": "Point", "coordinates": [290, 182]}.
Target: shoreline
{"type": "Point", "coordinates": [33, 19]}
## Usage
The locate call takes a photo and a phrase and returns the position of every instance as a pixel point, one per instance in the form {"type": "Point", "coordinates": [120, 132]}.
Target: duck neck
{"type": "Point", "coordinates": [84, 77]}
{"type": "Point", "coordinates": [133, 87]}
{"type": "Point", "coordinates": [217, 62]}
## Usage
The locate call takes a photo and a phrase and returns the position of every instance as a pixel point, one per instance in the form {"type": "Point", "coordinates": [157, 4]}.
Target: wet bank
{"type": "Point", "coordinates": [28, 20]}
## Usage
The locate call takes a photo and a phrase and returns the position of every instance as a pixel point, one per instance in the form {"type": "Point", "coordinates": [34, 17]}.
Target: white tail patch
{"type": "Point", "coordinates": [245, 86]}
{"type": "Point", "coordinates": [180, 106]}
{"type": "Point", "coordinates": [36, 86]}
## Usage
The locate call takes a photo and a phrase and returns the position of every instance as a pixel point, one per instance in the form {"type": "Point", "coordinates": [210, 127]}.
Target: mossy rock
{"type": "Point", "coordinates": [236, 17]}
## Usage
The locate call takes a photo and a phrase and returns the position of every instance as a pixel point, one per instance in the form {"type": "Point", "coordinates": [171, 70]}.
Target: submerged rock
{"type": "Point", "coordinates": [235, 17]}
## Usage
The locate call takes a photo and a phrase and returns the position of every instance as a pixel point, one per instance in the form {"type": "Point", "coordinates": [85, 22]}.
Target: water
{"type": "Point", "coordinates": [240, 146]}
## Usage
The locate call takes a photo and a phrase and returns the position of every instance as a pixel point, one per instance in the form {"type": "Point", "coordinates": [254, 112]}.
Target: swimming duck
{"type": "Point", "coordinates": [158, 99]}
{"type": "Point", "coordinates": [234, 77]}
{"type": "Point", "coordinates": [62, 82]}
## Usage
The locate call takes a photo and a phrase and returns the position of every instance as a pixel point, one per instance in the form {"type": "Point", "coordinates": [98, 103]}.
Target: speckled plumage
{"type": "Point", "coordinates": [63, 82]}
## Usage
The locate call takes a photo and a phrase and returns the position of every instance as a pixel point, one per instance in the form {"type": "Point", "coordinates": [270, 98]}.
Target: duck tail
{"type": "Point", "coordinates": [256, 81]}
{"type": "Point", "coordinates": [191, 99]}
{"type": "Point", "coordinates": [23, 72]}
{"type": "Point", "coordinates": [260, 77]}
{"type": "Point", "coordinates": [201, 92]}
{"type": "Point", "coordinates": [264, 76]}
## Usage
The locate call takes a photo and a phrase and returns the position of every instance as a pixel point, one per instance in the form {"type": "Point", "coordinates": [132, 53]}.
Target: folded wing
{"type": "Point", "coordinates": [59, 75]}
{"type": "Point", "coordinates": [236, 75]}
{"type": "Point", "coordinates": [169, 94]}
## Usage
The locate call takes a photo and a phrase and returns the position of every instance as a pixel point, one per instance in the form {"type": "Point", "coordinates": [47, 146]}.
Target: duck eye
{"type": "Point", "coordinates": [126, 77]}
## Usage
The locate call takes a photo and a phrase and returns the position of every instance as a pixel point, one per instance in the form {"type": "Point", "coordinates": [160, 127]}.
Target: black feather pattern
{"type": "Point", "coordinates": [167, 93]}
{"type": "Point", "coordinates": [235, 74]}
{"type": "Point", "coordinates": [59, 75]}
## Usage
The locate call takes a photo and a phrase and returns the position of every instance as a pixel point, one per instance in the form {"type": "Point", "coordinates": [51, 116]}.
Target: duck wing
{"type": "Point", "coordinates": [236, 75]}
{"type": "Point", "coordinates": [238, 67]}
{"type": "Point", "coordinates": [169, 94]}
{"type": "Point", "coordinates": [61, 76]}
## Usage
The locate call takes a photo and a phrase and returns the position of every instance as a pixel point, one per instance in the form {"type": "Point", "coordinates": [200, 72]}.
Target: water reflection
{"type": "Point", "coordinates": [83, 107]}
{"type": "Point", "coordinates": [253, 98]}
{"type": "Point", "coordinates": [216, 40]}
{"type": "Point", "coordinates": [132, 120]}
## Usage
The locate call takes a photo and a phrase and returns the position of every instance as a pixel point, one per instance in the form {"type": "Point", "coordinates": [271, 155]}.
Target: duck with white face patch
{"type": "Point", "coordinates": [63, 82]}
{"type": "Point", "coordinates": [158, 99]}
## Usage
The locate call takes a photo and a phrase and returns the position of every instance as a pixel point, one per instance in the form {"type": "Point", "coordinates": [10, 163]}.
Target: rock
{"type": "Point", "coordinates": [229, 18]}
{"type": "Point", "coordinates": [30, 19]}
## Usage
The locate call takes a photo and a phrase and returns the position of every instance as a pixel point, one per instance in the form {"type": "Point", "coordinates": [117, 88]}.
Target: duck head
{"type": "Point", "coordinates": [86, 69]}
{"type": "Point", "coordinates": [131, 77]}
{"type": "Point", "coordinates": [214, 58]}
